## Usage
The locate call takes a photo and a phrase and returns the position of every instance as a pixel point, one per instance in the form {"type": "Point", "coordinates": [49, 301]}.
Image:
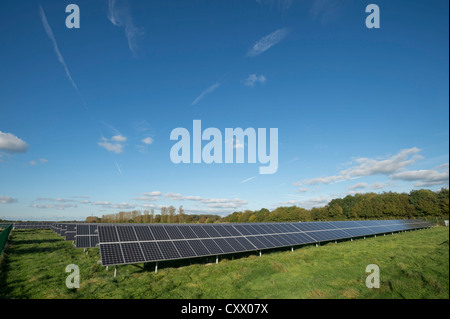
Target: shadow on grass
{"type": "Point", "coordinates": [36, 241]}
{"type": "Point", "coordinates": [208, 260]}
{"type": "Point", "coordinates": [5, 290]}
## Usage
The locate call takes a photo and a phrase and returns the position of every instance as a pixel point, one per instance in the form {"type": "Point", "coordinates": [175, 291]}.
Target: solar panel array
{"type": "Point", "coordinates": [128, 244]}
{"type": "Point", "coordinates": [31, 225]}
{"type": "Point", "coordinates": [86, 236]}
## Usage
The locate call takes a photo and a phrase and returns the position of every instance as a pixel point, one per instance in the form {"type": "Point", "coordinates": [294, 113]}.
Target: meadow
{"type": "Point", "coordinates": [412, 265]}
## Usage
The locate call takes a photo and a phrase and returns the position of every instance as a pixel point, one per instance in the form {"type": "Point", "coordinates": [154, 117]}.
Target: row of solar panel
{"type": "Point", "coordinates": [140, 248]}
{"type": "Point", "coordinates": [84, 235]}
{"type": "Point", "coordinates": [141, 232]}
{"type": "Point", "coordinates": [32, 225]}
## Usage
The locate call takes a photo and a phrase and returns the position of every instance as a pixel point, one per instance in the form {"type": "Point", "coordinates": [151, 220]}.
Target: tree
{"type": "Point", "coordinates": [180, 214]}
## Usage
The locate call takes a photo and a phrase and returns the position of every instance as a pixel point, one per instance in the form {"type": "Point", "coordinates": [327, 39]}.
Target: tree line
{"type": "Point", "coordinates": [420, 203]}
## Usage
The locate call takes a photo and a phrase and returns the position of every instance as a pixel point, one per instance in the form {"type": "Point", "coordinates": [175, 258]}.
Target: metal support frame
{"type": "Point", "coordinates": [156, 268]}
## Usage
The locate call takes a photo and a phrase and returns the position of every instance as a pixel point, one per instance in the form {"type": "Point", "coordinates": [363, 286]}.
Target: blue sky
{"type": "Point", "coordinates": [86, 114]}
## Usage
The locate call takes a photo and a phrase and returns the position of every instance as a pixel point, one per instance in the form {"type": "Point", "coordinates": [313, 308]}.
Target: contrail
{"type": "Point", "coordinates": [49, 32]}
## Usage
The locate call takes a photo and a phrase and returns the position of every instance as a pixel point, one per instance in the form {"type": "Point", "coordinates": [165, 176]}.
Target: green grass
{"type": "Point", "coordinates": [412, 265]}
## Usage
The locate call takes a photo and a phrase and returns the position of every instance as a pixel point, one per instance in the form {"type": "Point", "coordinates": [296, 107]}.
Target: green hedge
{"type": "Point", "coordinates": [4, 237]}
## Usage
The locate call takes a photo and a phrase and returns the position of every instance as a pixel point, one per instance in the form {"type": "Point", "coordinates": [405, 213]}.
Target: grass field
{"type": "Point", "coordinates": [412, 265]}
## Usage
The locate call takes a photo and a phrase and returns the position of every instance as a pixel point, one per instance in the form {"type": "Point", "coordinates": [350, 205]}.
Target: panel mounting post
{"type": "Point", "coordinates": [115, 271]}
{"type": "Point", "coordinates": [156, 268]}
{"type": "Point", "coordinates": [260, 253]}
{"type": "Point", "coordinates": [217, 259]}
{"type": "Point", "coordinates": [292, 249]}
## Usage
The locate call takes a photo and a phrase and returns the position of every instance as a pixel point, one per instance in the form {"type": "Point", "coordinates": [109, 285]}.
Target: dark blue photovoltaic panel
{"type": "Point", "coordinates": [93, 229]}
{"type": "Point", "coordinates": [233, 231]}
{"type": "Point", "coordinates": [174, 232]}
{"type": "Point", "coordinates": [282, 240]}
{"type": "Point", "coordinates": [126, 233]}
{"type": "Point", "coordinates": [82, 242]}
{"type": "Point", "coordinates": [224, 246]}
{"type": "Point", "coordinates": [357, 232]}
{"type": "Point", "coordinates": [246, 243]}
{"type": "Point", "coordinates": [83, 230]}
{"type": "Point", "coordinates": [268, 229]}
{"type": "Point", "coordinates": [168, 250]}
{"type": "Point", "coordinates": [199, 231]}
{"type": "Point", "coordinates": [255, 241]}
{"type": "Point", "coordinates": [151, 251]}
{"type": "Point", "coordinates": [222, 231]}
{"type": "Point", "coordinates": [108, 234]}
{"type": "Point", "coordinates": [93, 240]}
{"type": "Point", "coordinates": [70, 236]}
{"type": "Point", "coordinates": [278, 229]}
{"type": "Point", "coordinates": [344, 224]}
{"type": "Point", "coordinates": [302, 238]}
{"type": "Point", "coordinates": [132, 253]}
{"type": "Point", "coordinates": [237, 246]}
{"type": "Point", "coordinates": [111, 254]}
{"type": "Point", "coordinates": [260, 230]}
{"type": "Point", "coordinates": [159, 232]}
{"type": "Point", "coordinates": [243, 229]}
{"type": "Point", "coordinates": [328, 235]}
{"type": "Point", "coordinates": [187, 232]}
{"type": "Point", "coordinates": [311, 226]}
{"type": "Point", "coordinates": [184, 248]}
{"type": "Point", "coordinates": [143, 233]}
{"type": "Point", "coordinates": [267, 241]}
{"type": "Point", "coordinates": [199, 248]}
{"type": "Point", "coordinates": [212, 232]}
{"type": "Point", "coordinates": [212, 246]}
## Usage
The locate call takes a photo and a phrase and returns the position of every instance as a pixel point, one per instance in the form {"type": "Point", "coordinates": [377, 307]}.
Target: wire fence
{"type": "Point", "coordinates": [4, 236]}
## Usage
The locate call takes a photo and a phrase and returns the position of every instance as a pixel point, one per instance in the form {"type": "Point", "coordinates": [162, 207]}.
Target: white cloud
{"type": "Point", "coordinates": [154, 193]}
{"type": "Point", "coordinates": [267, 42]}
{"type": "Point", "coordinates": [116, 148]}
{"type": "Point", "coordinates": [210, 202]}
{"type": "Point", "coordinates": [118, 138]}
{"type": "Point", "coordinates": [119, 15]}
{"type": "Point", "coordinates": [319, 201]}
{"type": "Point", "coordinates": [114, 144]}
{"type": "Point", "coordinates": [124, 206]}
{"type": "Point", "coordinates": [302, 190]}
{"type": "Point", "coordinates": [7, 200]}
{"type": "Point", "coordinates": [101, 203]}
{"type": "Point", "coordinates": [33, 163]}
{"type": "Point", "coordinates": [368, 167]}
{"type": "Point", "coordinates": [54, 206]}
{"type": "Point", "coordinates": [43, 160]}
{"type": "Point", "coordinates": [147, 140]}
{"type": "Point", "coordinates": [209, 90]}
{"type": "Point", "coordinates": [11, 143]}
{"type": "Point", "coordinates": [325, 180]}
{"type": "Point", "coordinates": [252, 79]}
{"type": "Point", "coordinates": [358, 186]}
{"type": "Point", "coordinates": [377, 185]}
{"type": "Point", "coordinates": [424, 178]}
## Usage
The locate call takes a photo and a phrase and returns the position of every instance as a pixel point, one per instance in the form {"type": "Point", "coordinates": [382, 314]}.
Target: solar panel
{"type": "Point", "coordinates": [124, 244]}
